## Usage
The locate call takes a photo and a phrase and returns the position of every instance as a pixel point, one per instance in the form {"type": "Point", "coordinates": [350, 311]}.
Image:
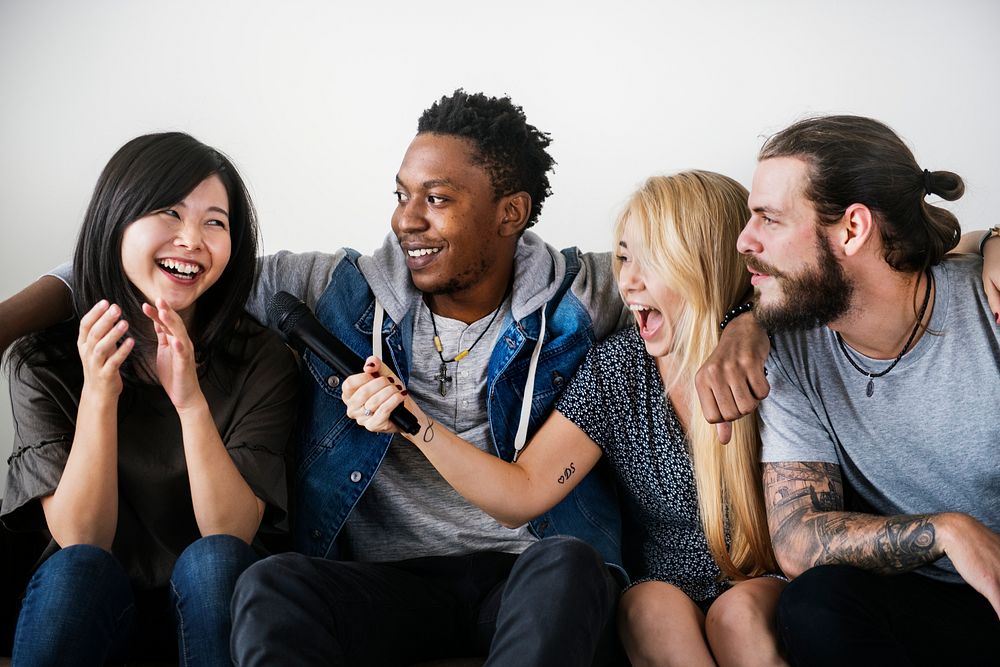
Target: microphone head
{"type": "Point", "coordinates": [284, 311]}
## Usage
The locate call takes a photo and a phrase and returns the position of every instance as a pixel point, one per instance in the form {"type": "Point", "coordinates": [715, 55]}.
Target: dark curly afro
{"type": "Point", "coordinates": [512, 151]}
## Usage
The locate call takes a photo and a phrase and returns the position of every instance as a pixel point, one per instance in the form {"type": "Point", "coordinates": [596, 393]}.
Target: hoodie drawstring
{"type": "Point", "coordinates": [521, 437]}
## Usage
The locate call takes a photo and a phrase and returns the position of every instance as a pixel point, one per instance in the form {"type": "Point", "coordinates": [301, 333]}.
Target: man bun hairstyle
{"type": "Point", "coordinates": [511, 150]}
{"type": "Point", "coordinates": [857, 160]}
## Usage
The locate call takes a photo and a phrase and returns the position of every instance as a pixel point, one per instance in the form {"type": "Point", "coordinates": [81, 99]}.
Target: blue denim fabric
{"type": "Point", "coordinates": [80, 608]}
{"type": "Point", "coordinates": [201, 589]}
{"type": "Point", "coordinates": [337, 459]}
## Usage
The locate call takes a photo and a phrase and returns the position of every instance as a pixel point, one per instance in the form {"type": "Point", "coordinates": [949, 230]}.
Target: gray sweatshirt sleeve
{"type": "Point", "coordinates": [63, 272]}
{"type": "Point", "coordinates": [304, 275]}
{"type": "Point", "coordinates": [597, 289]}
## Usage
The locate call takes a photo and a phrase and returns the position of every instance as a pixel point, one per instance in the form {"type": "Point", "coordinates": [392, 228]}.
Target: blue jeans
{"type": "Point", "coordinates": [80, 608]}
{"type": "Point", "coordinates": [552, 605]}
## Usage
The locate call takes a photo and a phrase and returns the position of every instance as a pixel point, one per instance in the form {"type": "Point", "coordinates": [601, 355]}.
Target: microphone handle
{"type": "Point", "coordinates": [326, 346]}
{"type": "Point", "coordinates": [339, 357]}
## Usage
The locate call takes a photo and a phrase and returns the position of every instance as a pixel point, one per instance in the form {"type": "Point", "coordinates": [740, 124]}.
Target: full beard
{"type": "Point", "coordinates": [813, 298]}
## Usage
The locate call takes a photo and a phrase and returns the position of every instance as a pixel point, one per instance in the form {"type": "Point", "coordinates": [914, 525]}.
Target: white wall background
{"type": "Point", "coordinates": [316, 101]}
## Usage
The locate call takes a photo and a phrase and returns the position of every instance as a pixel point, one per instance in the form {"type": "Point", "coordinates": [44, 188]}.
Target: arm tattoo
{"type": "Point", "coordinates": [890, 544]}
{"type": "Point", "coordinates": [805, 508]}
{"type": "Point", "coordinates": [567, 473]}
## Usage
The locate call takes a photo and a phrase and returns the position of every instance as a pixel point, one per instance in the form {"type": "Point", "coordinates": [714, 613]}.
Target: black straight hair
{"type": "Point", "coordinates": [148, 174]}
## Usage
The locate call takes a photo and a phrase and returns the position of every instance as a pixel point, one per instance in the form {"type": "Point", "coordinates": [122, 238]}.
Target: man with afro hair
{"type": "Point", "coordinates": [395, 566]}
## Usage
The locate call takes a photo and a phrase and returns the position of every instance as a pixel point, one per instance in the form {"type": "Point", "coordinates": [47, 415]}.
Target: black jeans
{"type": "Point", "coordinates": [552, 605]}
{"type": "Point", "coordinates": [840, 615]}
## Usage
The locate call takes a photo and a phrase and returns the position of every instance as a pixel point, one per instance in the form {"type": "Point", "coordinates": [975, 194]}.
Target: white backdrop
{"type": "Point", "coordinates": [316, 101]}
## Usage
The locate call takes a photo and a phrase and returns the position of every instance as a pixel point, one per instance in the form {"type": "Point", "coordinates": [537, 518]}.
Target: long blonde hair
{"type": "Point", "coordinates": [687, 225]}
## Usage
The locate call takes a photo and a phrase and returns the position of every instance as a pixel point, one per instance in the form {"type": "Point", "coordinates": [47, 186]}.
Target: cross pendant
{"type": "Point", "coordinates": [443, 379]}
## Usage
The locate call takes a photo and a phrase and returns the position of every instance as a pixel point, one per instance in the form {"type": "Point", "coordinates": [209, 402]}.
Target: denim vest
{"type": "Point", "coordinates": [336, 458]}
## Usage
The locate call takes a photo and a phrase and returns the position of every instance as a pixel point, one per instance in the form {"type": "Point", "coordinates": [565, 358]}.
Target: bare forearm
{"type": "Point", "coordinates": [551, 466]}
{"type": "Point", "coordinates": [969, 243]}
{"type": "Point", "coordinates": [501, 489]}
{"type": "Point", "coordinates": [223, 501]}
{"type": "Point", "coordinates": [808, 526]}
{"type": "Point", "coordinates": [84, 507]}
{"type": "Point", "coordinates": [39, 305]}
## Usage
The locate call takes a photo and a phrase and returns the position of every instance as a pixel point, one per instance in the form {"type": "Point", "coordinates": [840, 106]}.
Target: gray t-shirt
{"type": "Point", "coordinates": [928, 439]}
{"type": "Point", "coordinates": [409, 499]}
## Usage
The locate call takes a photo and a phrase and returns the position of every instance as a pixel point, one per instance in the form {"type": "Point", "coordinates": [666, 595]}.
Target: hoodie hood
{"type": "Point", "coordinates": [538, 272]}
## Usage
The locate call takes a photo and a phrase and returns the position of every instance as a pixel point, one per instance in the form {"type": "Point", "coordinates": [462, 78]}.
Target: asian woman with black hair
{"type": "Point", "coordinates": [150, 430]}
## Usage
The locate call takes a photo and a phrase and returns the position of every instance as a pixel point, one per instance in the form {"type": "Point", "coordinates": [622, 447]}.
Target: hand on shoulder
{"type": "Point", "coordinates": [732, 381]}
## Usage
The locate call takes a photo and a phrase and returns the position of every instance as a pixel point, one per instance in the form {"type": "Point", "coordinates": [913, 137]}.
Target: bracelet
{"type": "Point", "coordinates": [734, 313]}
{"type": "Point", "coordinates": [990, 233]}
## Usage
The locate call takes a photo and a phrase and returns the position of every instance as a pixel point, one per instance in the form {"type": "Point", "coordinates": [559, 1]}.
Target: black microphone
{"type": "Point", "coordinates": [300, 329]}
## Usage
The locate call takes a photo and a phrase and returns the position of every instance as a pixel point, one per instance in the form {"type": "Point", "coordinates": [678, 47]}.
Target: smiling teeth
{"type": "Point", "coordinates": [179, 267]}
{"type": "Point", "coordinates": [420, 252]}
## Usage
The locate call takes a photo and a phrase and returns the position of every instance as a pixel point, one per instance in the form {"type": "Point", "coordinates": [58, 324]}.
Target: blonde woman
{"type": "Point", "coordinates": [695, 536]}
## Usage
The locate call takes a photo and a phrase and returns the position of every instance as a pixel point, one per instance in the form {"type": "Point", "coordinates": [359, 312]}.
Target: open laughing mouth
{"type": "Point", "coordinates": [179, 270]}
{"type": "Point", "coordinates": [649, 319]}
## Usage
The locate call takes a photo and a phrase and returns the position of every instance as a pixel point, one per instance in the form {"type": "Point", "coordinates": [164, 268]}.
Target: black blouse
{"type": "Point", "coordinates": [253, 405]}
{"type": "Point", "coordinates": [617, 398]}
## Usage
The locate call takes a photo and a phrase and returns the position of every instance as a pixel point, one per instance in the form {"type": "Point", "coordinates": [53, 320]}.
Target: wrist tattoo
{"type": "Point", "coordinates": [429, 430]}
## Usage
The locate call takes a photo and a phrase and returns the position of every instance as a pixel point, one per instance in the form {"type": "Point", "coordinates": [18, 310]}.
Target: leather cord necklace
{"type": "Point", "coordinates": [909, 341]}
{"type": "Point", "coordinates": [443, 379]}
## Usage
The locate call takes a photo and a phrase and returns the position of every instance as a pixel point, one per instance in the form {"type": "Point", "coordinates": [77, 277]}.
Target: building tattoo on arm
{"type": "Point", "coordinates": [794, 490]}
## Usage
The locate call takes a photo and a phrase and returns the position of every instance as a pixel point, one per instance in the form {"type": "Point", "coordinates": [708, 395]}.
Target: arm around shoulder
{"type": "Point", "coordinates": [732, 381]}
{"type": "Point", "coordinates": [304, 275]}
{"type": "Point", "coordinates": [985, 243]}
{"type": "Point", "coordinates": [43, 303]}
{"type": "Point", "coordinates": [597, 289]}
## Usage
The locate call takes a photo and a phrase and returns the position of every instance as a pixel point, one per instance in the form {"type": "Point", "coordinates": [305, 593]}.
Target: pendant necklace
{"type": "Point", "coordinates": [870, 389]}
{"type": "Point", "coordinates": [443, 379]}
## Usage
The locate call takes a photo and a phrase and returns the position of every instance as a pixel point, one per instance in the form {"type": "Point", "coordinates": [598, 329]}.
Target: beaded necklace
{"type": "Point", "coordinates": [443, 379]}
